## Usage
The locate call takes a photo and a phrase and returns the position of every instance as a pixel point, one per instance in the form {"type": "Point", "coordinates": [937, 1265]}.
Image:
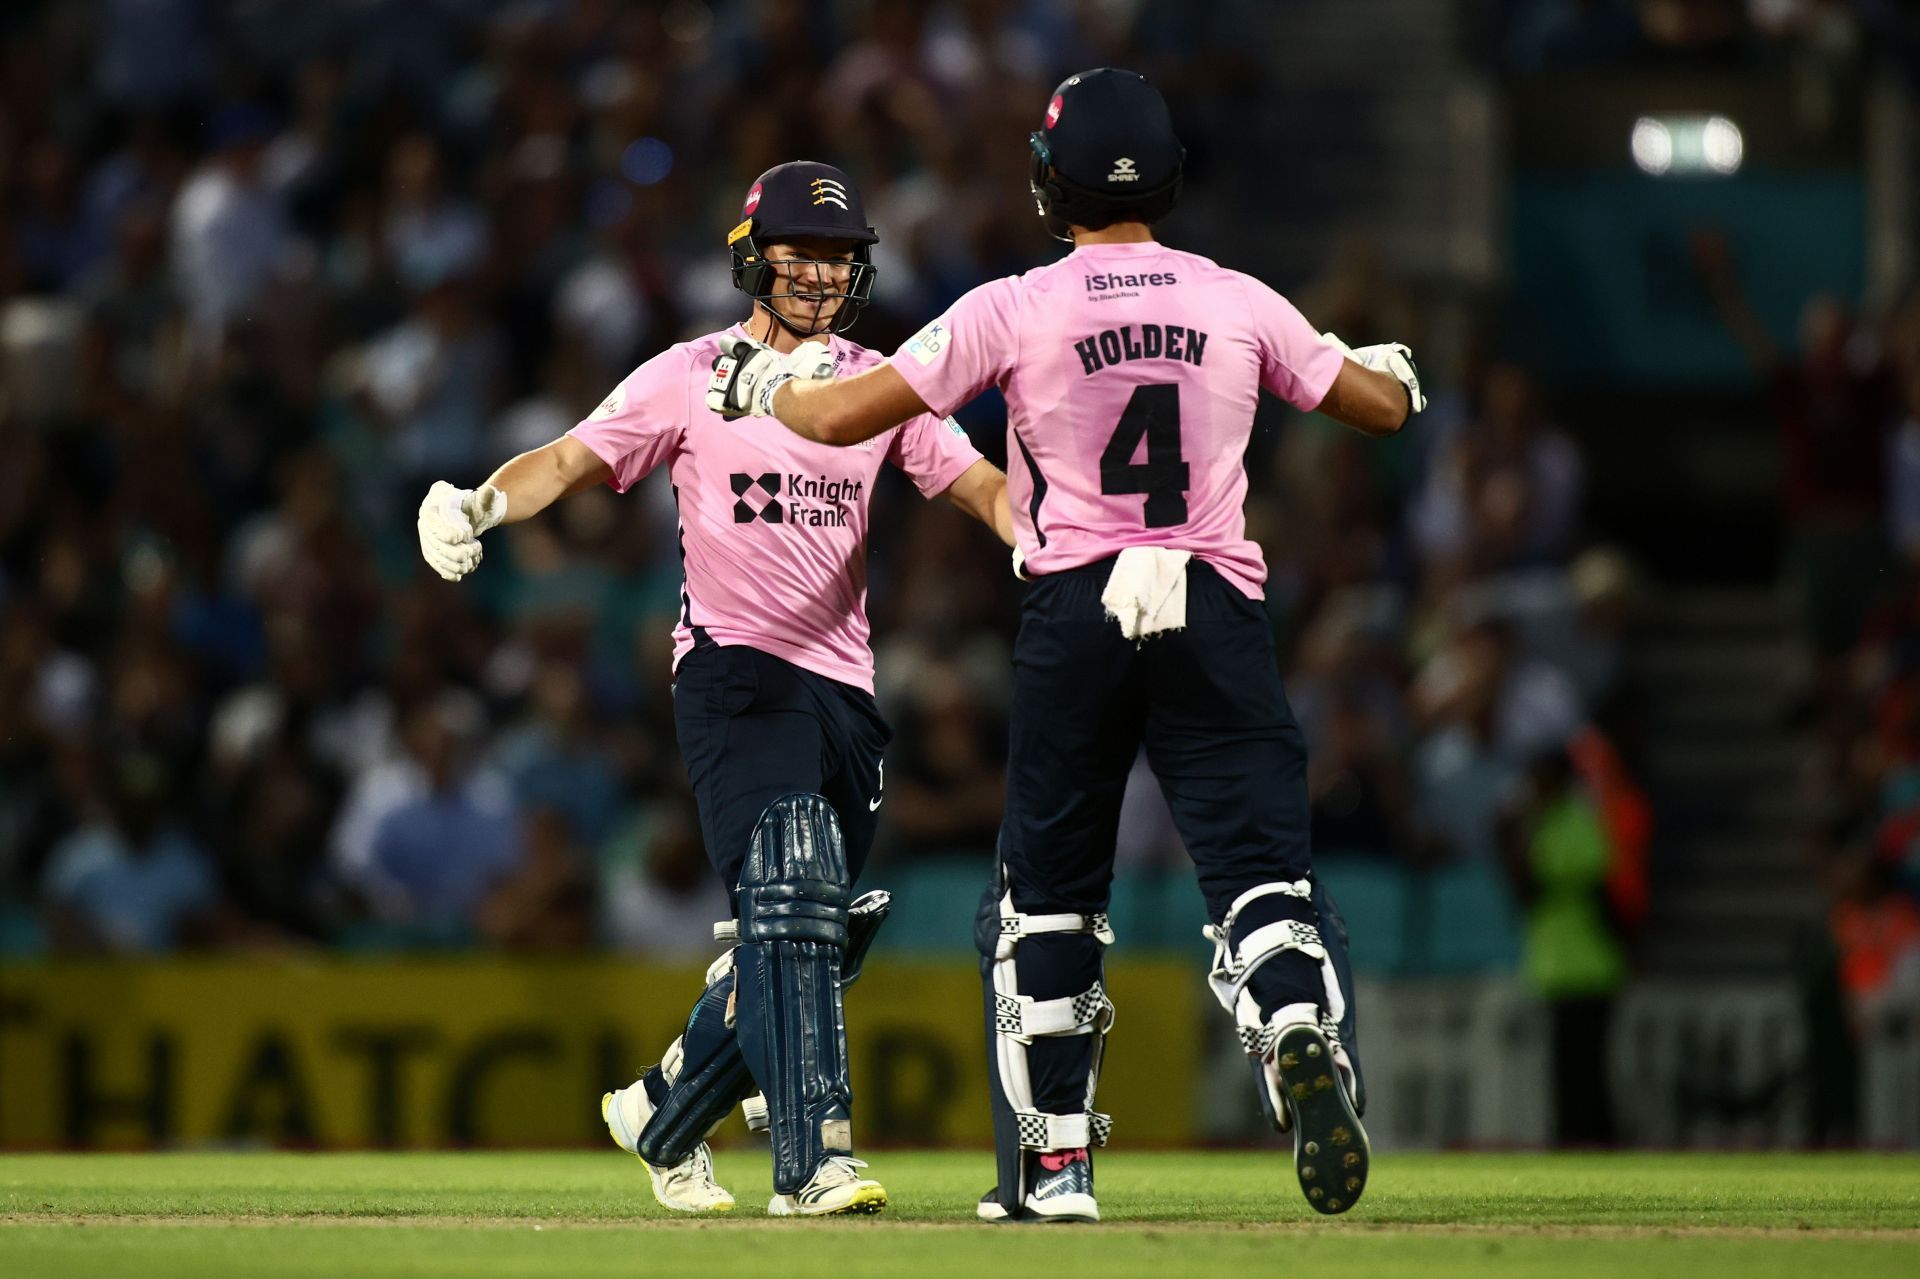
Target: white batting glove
{"type": "Point", "coordinates": [451, 522]}
{"type": "Point", "coordinates": [1395, 359]}
{"type": "Point", "coordinates": [746, 373]}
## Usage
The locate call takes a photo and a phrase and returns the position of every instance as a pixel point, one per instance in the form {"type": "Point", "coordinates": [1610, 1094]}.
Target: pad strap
{"type": "Point", "coordinates": [864, 917]}
{"type": "Point", "coordinates": [1259, 1040]}
{"type": "Point", "coordinates": [1023, 1017]}
{"type": "Point", "coordinates": [1014, 926]}
{"type": "Point", "coordinates": [1234, 961]}
{"type": "Point", "coordinates": [1041, 1131]}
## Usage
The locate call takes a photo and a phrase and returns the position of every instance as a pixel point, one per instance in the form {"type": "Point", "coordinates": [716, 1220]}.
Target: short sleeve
{"type": "Point", "coordinates": [965, 351]}
{"type": "Point", "coordinates": [933, 451]}
{"type": "Point", "coordinates": [1294, 363]}
{"type": "Point", "coordinates": [639, 425]}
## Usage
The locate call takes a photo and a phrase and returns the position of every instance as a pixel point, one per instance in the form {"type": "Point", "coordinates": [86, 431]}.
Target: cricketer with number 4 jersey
{"type": "Point", "coordinates": [1131, 374]}
{"type": "Point", "coordinates": [773, 528]}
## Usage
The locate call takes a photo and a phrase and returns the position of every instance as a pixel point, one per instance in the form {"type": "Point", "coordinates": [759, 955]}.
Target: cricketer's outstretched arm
{"type": "Point", "coordinates": [847, 410]}
{"type": "Point", "coordinates": [1367, 400]}
{"type": "Point", "coordinates": [538, 478]}
{"type": "Point", "coordinates": [452, 519]}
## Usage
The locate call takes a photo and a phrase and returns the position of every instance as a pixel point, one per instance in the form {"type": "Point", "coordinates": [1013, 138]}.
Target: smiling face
{"type": "Point", "coordinates": [811, 281]}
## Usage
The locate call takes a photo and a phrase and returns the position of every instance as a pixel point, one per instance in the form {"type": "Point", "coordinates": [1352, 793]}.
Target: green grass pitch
{"type": "Point", "coordinates": [587, 1214]}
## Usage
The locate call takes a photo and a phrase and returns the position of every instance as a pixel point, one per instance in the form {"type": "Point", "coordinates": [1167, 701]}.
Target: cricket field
{"type": "Point", "coordinates": [586, 1214]}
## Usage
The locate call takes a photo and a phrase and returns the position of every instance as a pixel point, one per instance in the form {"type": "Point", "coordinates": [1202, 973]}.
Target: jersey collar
{"type": "Point", "coordinates": [1140, 249]}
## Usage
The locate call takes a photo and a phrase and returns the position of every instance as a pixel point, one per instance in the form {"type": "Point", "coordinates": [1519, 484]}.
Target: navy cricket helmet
{"type": "Point", "coordinates": [1106, 153]}
{"type": "Point", "coordinates": [803, 199]}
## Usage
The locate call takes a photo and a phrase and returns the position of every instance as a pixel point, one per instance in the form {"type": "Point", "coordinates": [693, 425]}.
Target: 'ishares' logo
{"type": "Point", "coordinates": [810, 501]}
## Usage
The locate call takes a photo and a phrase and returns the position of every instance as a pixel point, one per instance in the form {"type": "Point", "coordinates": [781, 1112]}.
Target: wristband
{"type": "Point", "coordinates": [771, 385]}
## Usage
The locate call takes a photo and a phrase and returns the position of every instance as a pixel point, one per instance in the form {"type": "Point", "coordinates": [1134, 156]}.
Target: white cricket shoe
{"type": "Point", "coordinates": [688, 1186]}
{"type": "Point", "coordinates": [834, 1188]}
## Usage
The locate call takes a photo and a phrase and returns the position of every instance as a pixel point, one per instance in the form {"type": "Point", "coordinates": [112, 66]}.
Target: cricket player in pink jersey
{"type": "Point", "coordinates": [773, 688]}
{"type": "Point", "coordinates": [1131, 373]}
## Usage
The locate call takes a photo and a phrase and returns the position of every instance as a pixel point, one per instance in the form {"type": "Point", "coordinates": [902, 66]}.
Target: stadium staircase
{"type": "Point", "coordinates": [1718, 673]}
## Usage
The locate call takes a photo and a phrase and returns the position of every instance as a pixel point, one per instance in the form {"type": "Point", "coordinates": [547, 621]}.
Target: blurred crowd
{"type": "Point", "coordinates": [1846, 402]}
{"type": "Point", "coordinates": [267, 270]}
{"type": "Point", "coordinates": [1564, 35]}
{"type": "Point", "coordinates": [1853, 397]}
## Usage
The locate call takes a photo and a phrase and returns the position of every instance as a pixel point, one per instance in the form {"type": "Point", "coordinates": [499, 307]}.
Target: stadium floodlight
{"type": "Point", "coordinates": [1652, 146]}
{"type": "Point", "coordinates": [1687, 146]}
{"type": "Point", "coordinates": [1721, 144]}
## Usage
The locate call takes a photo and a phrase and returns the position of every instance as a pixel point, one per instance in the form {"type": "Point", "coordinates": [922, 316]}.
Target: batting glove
{"type": "Point", "coordinates": [1395, 359]}
{"type": "Point", "coordinates": [746, 373]}
{"type": "Point", "coordinates": [451, 522]}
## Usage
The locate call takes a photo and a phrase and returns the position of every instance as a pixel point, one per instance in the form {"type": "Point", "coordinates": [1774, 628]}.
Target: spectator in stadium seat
{"type": "Point", "coordinates": [658, 896]}
{"type": "Point", "coordinates": [1876, 931]}
{"type": "Point", "coordinates": [230, 233]}
{"type": "Point", "coordinates": [1462, 775]}
{"type": "Point", "coordinates": [1833, 400]}
{"type": "Point", "coordinates": [272, 842]}
{"type": "Point", "coordinates": [131, 880]}
{"type": "Point", "coordinates": [424, 837]}
{"type": "Point", "coordinates": [1505, 491]}
{"type": "Point", "coordinates": [545, 903]}
{"type": "Point", "coordinates": [431, 379]}
{"type": "Point", "coordinates": [1555, 842]}
{"type": "Point", "coordinates": [556, 760]}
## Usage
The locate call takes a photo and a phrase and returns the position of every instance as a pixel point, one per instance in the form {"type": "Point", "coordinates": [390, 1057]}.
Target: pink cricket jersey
{"type": "Point", "coordinates": [773, 528]}
{"type": "Point", "coordinates": [1131, 373]}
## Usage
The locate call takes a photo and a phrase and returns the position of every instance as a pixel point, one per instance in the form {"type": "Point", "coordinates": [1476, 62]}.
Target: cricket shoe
{"type": "Point", "coordinates": [1312, 1089]}
{"type": "Point", "coordinates": [1062, 1191]}
{"type": "Point", "coordinates": [834, 1188]}
{"type": "Point", "coordinates": [687, 1186]}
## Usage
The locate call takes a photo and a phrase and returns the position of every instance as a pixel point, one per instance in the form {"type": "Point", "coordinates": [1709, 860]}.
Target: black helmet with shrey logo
{"type": "Point", "coordinates": [1106, 152]}
{"type": "Point", "coordinates": [803, 199]}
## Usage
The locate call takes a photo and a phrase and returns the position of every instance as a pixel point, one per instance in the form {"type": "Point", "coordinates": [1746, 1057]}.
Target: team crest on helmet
{"type": "Point", "coordinates": [827, 191]}
{"type": "Point", "coordinates": [753, 202]}
{"type": "Point", "coordinates": [1053, 110]}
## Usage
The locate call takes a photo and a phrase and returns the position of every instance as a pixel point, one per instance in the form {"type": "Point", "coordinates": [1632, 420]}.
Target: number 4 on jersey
{"type": "Point", "coordinates": [1153, 413]}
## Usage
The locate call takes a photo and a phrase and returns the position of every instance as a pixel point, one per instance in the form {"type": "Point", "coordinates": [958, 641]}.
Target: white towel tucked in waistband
{"type": "Point", "coordinates": [1147, 591]}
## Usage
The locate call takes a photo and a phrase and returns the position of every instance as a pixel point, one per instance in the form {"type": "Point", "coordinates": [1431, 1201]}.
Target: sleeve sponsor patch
{"type": "Point", "coordinates": [929, 344]}
{"type": "Point", "coordinates": [611, 406]}
{"type": "Point", "coordinates": [953, 425]}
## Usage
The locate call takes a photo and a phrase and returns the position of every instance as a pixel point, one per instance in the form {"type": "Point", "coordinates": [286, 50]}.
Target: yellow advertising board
{"type": "Point", "coordinates": [496, 1052]}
